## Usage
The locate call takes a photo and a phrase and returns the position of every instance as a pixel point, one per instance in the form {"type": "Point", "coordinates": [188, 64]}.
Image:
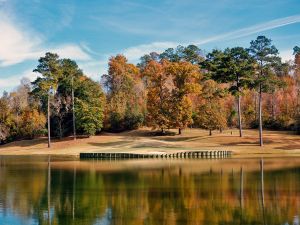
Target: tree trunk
{"type": "Point", "coordinates": [255, 106]}
{"type": "Point", "coordinates": [162, 131]}
{"type": "Point", "coordinates": [210, 133]}
{"type": "Point", "coordinates": [48, 115]}
{"type": "Point", "coordinates": [260, 116]}
{"type": "Point", "coordinates": [73, 110]}
{"type": "Point", "coordinates": [60, 129]}
{"type": "Point", "coordinates": [240, 116]}
{"type": "Point", "coordinates": [179, 131]}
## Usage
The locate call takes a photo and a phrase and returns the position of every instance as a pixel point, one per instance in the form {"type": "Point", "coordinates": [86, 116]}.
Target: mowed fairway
{"type": "Point", "coordinates": [144, 140]}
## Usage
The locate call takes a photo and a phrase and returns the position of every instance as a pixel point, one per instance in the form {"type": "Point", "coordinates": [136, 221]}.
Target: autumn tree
{"type": "Point", "coordinates": [6, 120]}
{"type": "Point", "coordinates": [235, 67]}
{"type": "Point", "coordinates": [19, 99]}
{"type": "Point", "coordinates": [186, 79]}
{"type": "Point", "coordinates": [20, 117]}
{"type": "Point", "coordinates": [210, 113]}
{"type": "Point", "coordinates": [32, 123]}
{"type": "Point", "coordinates": [159, 89]}
{"type": "Point", "coordinates": [265, 54]}
{"type": "Point", "coordinates": [297, 74]}
{"type": "Point", "coordinates": [125, 94]}
{"type": "Point", "coordinates": [297, 78]}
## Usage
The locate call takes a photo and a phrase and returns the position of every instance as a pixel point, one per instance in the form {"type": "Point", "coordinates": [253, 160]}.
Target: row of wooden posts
{"type": "Point", "coordinates": [183, 155]}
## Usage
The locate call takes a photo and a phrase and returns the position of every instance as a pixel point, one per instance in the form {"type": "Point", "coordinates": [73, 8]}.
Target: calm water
{"type": "Point", "coordinates": [157, 192]}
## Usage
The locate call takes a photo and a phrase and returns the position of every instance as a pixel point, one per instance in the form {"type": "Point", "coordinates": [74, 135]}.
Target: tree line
{"type": "Point", "coordinates": [179, 88]}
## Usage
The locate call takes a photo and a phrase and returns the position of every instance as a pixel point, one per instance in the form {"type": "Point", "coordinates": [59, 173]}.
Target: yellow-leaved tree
{"type": "Point", "coordinates": [186, 80]}
{"type": "Point", "coordinates": [211, 114]}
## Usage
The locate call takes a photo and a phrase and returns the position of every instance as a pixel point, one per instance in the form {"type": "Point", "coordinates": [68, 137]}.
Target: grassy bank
{"type": "Point", "coordinates": [143, 141]}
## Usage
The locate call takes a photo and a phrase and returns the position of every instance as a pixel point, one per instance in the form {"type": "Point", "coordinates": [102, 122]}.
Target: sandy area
{"type": "Point", "coordinates": [143, 141]}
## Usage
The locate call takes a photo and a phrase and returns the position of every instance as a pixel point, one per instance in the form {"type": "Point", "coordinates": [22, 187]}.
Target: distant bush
{"type": "Point", "coordinates": [130, 121]}
{"type": "Point", "coordinates": [297, 124]}
{"type": "Point", "coordinates": [253, 124]}
{"type": "Point", "coordinates": [278, 124]}
{"type": "Point", "coordinates": [133, 121]}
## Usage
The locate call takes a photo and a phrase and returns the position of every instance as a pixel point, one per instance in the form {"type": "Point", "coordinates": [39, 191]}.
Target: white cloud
{"type": "Point", "coordinates": [12, 81]}
{"type": "Point", "coordinates": [134, 53]}
{"type": "Point", "coordinates": [94, 68]}
{"type": "Point", "coordinates": [287, 55]}
{"type": "Point", "coordinates": [18, 43]}
{"type": "Point", "coordinates": [270, 25]}
{"type": "Point", "coordinates": [71, 51]}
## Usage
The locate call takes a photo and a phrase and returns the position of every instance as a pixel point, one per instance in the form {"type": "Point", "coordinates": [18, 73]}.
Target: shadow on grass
{"type": "Point", "coordinates": [25, 143]}
{"type": "Point", "coordinates": [41, 140]}
{"type": "Point", "coordinates": [242, 143]}
{"type": "Point", "coordinates": [175, 139]}
{"type": "Point", "coordinates": [109, 144]}
{"type": "Point", "coordinates": [248, 143]}
{"type": "Point", "coordinates": [289, 147]}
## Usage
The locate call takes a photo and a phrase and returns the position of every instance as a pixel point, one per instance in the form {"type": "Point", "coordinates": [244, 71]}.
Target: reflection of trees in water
{"type": "Point", "coordinates": [262, 190]}
{"type": "Point", "coordinates": [165, 196]}
{"type": "Point", "coordinates": [49, 190]}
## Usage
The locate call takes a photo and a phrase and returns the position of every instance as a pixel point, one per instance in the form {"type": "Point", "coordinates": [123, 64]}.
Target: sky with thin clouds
{"type": "Point", "coordinates": [92, 31]}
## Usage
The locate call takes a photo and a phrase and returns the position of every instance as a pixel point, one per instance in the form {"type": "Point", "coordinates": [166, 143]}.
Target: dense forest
{"type": "Point", "coordinates": [232, 88]}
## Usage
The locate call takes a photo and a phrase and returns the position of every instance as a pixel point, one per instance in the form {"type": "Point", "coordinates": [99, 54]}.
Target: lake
{"type": "Point", "coordinates": [42, 190]}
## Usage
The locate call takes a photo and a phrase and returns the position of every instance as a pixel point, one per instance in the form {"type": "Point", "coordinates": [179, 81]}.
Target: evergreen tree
{"type": "Point", "coordinates": [234, 66]}
{"type": "Point", "coordinates": [265, 54]}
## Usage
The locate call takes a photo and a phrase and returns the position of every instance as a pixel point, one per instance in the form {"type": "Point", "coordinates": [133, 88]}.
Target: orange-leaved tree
{"type": "Point", "coordinates": [159, 87]}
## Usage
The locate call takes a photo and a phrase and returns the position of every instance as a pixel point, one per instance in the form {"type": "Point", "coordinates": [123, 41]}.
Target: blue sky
{"type": "Point", "coordinates": [92, 31]}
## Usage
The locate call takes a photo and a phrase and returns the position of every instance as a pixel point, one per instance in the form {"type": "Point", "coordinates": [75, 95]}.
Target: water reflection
{"type": "Point", "coordinates": [231, 191]}
{"type": "Point", "coordinates": [49, 189]}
